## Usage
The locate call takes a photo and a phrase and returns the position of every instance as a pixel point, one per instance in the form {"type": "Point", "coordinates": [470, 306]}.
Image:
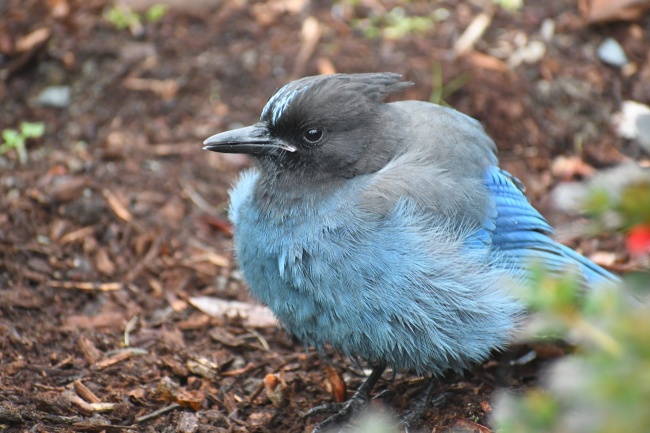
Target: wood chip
{"type": "Point", "coordinates": [157, 413]}
{"type": "Point", "coordinates": [310, 34]}
{"type": "Point", "coordinates": [604, 258]}
{"type": "Point", "coordinates": [90, 286]}
{"type": "Point", "coordinates": [187, 422]}
{"type": "Point", "coordinates": [209, 256]}
{"type": "Point", "coordinates": [177, 304]}
{"type": "Point", "coordinates": [103, 262]}
{"type": "Point", "coordinates": [59, 8]}
{"type": "Point", "coordinates": [597, 11]}
{"type": "Point", "coordinates": [85, 393]}
{"type": "Point", "coordinates": [37, 37]}
{"type": "Point", "coordinates": [275, 389]}
{"type": "Point", "coordinates": [170, 391]}
{"type": "Point", "coordinates": [473, 33]}
{"type": "Point", "coordinates": [338, 388]}
{"type": "Point", "coordinates": [462, 425]}
{"type": "Point", "coordinates": [90, 352]}
{"type": "Point", "coordinates": [14, 367]}
{"type": "Point", "coordinates": [325, 66]}
{"type": "Point", "coordinates": [203, 367]}
{"type": "Point", "coordinates": [76, 235]}
{"type": "Point", "coordinates": [484, 61]}
{"type": "Point", "coordinates": [166, 89]}
{"type": "Point", "coordinates": [239, 371]}
{"type": "Point", "coordinates": [154, 251]}
{"type": "Point", "coordinates": [116, 205]}
{"type": "Point", "coordinates": [88, 407]}
{"type": "Point", "coordinates": [115, 359]}
{"type": "Point", "coordinates": [218, 223]}
{"type": "Point", "coordinates": [198, 200]}
{"type": "Point", "coordinates": [254, 316]}
{"type": "Point", "coordinates": [221, 335]}
{"type": "Point", "coordinates": [570, 167]}
{"type": "Point", "coordinates": [175, 365]}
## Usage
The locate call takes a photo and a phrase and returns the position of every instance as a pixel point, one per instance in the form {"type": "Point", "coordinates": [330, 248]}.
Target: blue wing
{"type": "Point", "coordinates": [519, 231]}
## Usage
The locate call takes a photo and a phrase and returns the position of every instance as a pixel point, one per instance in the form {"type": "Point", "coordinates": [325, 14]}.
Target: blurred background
{"type": "Point", "coordinates": [120, 300]}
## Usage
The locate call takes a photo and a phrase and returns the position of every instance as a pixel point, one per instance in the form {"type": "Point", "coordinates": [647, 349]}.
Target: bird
{"type": "Point", "coordinates": [385, 230]}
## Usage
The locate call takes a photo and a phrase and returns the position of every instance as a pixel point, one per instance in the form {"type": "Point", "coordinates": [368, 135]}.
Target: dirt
{"type": "Point", "coordinates": [115, 228]}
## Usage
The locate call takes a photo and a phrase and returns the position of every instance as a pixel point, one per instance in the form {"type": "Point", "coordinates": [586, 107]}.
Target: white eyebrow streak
{"type": "Point", "coordinates": [281, 100]}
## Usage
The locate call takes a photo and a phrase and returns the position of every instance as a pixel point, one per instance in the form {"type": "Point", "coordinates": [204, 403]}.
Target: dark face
{"type": "Point", "coordinates": [316, 125]}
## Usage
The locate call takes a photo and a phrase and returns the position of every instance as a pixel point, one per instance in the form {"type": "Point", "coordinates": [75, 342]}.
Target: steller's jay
{"type": "Point", "coordinates": [386, 230]}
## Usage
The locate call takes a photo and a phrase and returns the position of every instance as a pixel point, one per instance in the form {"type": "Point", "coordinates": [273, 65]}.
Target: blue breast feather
{"type": "Point", "coordinates": [404, 289]}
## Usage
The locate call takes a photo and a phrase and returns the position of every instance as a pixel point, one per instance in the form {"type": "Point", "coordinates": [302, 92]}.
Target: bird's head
{"type": "Point", "coordinates": [336, 125]}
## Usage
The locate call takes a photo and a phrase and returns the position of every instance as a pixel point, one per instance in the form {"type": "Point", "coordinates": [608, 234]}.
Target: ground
{"type": "Point", "coordinates": [114, 235]}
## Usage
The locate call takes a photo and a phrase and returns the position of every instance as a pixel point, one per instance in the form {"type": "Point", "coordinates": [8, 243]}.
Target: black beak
{"type": "Point", "coordinates": [253, 140]}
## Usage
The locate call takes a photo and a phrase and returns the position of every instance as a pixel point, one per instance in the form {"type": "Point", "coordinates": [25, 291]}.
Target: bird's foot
{"type": "Point", "coordinates": [420, 406]}
{"type": "Point", "coordinates": [343, 411]}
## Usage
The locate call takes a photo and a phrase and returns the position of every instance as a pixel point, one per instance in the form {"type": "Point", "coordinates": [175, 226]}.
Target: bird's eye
{"type": "Point", "coordinates": [313, 135]}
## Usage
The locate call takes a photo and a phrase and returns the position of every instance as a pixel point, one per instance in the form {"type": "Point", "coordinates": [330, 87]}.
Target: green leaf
{"type": "Point", "coordinates": [10, 137]}
{"type": "Point", "coordinates": [32, 129]}
{"type": "Point", "coordinates": [156, 12]}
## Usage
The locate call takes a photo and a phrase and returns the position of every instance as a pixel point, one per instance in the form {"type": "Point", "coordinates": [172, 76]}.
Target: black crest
{"type": "Point", "coordinates": [329, 89]}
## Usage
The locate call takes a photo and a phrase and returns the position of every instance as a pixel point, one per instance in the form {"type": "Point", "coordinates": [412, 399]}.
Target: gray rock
{"type": "Point", "coordinates": [611, 52]}
{"type": "Point", "coordinates": [55, 96]}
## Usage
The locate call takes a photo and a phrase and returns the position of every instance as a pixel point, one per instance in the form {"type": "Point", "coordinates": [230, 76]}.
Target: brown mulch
{"type": "Point", "coordinates": [114, 233]}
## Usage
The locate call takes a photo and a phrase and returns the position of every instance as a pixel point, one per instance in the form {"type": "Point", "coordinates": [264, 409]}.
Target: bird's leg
{"type": "Point", "coordinates": [419, 407]}
{"type": "Point", "coordinates": [355, 403]}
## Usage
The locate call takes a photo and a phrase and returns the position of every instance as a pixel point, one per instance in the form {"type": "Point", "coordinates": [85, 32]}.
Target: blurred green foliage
{"type": "Point", "coordinates": [605, 385]}
{"type": "Point", "coordinates": [123, 17]}
{"type": "Point", "coordinates": [399, 19]}
{"type": "Point", "coordinates": [510, 5]}
{"type": "Point", "coordinates": [16, 139]}
{"type": "Point", "coordinates": [623, 207]}
{"type": "Point", "coordinates": [396, 23]}
{"type": "Point", "coordinates": [156, 12]}
{"type": "Point", "coordinates": [631, 206]}
{"type": "Point", "coordinates": [440, 90]}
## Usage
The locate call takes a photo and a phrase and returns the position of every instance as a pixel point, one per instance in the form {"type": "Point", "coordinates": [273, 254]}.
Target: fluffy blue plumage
{"type": "Point", "coordinates": [404, 289]}
{"type": "Point", "coordinates": [385, 230]}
